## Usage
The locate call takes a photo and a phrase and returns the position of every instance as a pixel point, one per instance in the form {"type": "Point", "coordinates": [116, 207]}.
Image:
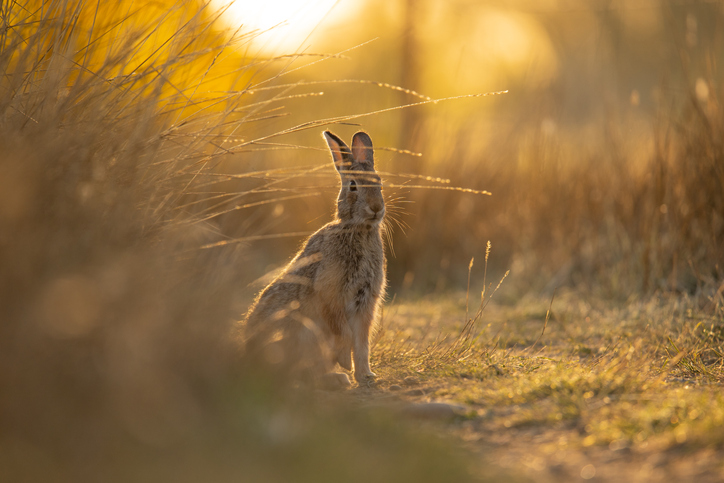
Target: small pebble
{"type": "Point", "coordinates": [395, 387]}
{"type": "Point", "coordinates": [410, 381]}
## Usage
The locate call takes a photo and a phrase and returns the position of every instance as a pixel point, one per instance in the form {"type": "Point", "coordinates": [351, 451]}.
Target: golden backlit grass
{"type": "Point", "coordinates": [615, 214]}
{"type": "Point", "coordinates": [643, 376]}
{"type": "Point", "coordinates": [115, 356]}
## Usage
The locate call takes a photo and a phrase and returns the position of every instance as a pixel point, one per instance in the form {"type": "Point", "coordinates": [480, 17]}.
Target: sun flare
{"type": "Point", "coordinates": [278, 26]}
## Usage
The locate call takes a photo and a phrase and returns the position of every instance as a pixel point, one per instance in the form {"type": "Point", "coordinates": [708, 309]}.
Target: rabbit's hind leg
{"type": "Point", "coordinates": [333, 381]}
{"type": "Point", "coordinates": [343, 352]}
{"type": "Point", "coordinates": [344, 357]}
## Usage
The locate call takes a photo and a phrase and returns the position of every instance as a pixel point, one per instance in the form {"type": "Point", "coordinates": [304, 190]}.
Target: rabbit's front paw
{"type": "Point", "coordinates": [367, 377]}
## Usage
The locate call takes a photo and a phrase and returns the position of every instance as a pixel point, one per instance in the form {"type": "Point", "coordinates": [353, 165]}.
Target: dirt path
{"type": "Point", "coordinates": [544, 454]}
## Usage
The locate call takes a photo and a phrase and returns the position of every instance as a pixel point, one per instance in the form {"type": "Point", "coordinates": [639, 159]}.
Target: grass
{"type": "Point", "coordinates": [606, 384]}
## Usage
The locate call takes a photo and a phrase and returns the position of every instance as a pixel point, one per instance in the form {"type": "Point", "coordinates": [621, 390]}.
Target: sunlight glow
{"type": "Point", "coordinates": [515, 42]}
{"type": "Point", "coordinates": [488, 49]}
{"type": "Point", "coordinates": [279, 26]}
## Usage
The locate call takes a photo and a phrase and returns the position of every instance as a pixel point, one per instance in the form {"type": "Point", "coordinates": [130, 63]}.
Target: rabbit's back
{"type": "Point", "coordinates": [336, 260]}
{"type": "Point", "coordinates": [292, 287]}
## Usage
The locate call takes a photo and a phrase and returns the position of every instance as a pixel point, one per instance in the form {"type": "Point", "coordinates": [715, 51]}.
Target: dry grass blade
{"type": "Point", "coordinates": [545, 323]}
{"type": "Point", "coordinates": [249, 239]}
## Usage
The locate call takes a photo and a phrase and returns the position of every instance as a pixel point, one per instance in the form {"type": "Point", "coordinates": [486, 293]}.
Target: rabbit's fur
{"type": "Point", "coordinates": [321, 308]}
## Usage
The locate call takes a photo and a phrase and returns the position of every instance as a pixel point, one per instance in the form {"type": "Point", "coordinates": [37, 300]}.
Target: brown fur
{"type": "Point", "coordinates": [320, 310]}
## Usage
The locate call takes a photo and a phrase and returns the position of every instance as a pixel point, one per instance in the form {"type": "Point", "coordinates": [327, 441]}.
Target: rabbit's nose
{"type": "Point", "coordinates": [378, 212]}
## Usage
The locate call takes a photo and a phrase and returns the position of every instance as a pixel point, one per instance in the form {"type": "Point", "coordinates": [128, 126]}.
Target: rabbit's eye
{"type": "Point", "coordinates": [352, 185]}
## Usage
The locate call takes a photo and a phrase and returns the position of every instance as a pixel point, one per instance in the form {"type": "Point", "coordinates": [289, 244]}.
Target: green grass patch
{"type": "Point", "coordinates": [644, 374]}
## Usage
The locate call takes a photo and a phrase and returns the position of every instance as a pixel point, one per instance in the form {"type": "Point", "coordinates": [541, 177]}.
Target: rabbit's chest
{"type": "Point", "coordinates": [364, 281]}
{"type": "Point", "coordinates": [354, 270]}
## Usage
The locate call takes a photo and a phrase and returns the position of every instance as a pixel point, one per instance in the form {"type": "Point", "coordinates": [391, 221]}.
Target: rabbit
{"type": "Point", "coordinates": [321, 308]}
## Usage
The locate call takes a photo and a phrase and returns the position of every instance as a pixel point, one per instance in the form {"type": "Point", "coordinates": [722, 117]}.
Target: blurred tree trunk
{"type": "Point", "coordinates": [610, 18]}
{"type": "Point", "coordinates": [410, 72]}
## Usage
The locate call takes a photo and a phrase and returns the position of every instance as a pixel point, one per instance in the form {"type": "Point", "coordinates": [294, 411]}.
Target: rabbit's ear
{"type": "Point", "coordinates": [340, 151]}
{"type": "Point", "coordinates": [362, 149]}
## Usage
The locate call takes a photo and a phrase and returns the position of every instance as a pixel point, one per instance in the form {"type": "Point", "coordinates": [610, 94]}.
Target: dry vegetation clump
{"type": "Point", "coordinates": [115, 356]}
{"type": "Point", "coordinates": [614, 215]}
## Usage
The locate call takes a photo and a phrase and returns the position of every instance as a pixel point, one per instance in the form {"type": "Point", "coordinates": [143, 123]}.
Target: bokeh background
{"type": "Point", "coordinates": [603, 158]}
{"type": "Point", "coordinates": [159, 160]}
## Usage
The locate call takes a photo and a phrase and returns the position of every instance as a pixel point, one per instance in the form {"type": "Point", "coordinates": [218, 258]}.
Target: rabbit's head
{"type": "Point", "coordinates": [360, 200]}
